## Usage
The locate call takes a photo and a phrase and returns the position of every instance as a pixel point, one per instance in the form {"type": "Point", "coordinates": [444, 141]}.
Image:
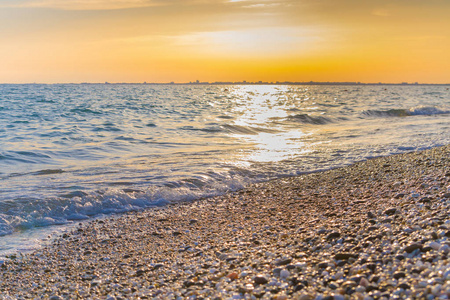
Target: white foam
{"type": "Point", "coordinates": [428, 110]}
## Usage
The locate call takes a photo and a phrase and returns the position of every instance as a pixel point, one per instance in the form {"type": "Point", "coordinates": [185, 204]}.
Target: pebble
{"type": "Point", "coordinates": [260, 279]}
{"type": "Point", "coordinates": [399, 275]}
{"type": "Point", "coordinates": [414, 246]}
{"type": "Point", "coordinates": [338, 297]}
{"type": "Point", "coordinates": [345, 255]}
{"type": "Point", "coordinates": [434, 245]}
{"type": "Point", "coordinates": [390, 211]}
{"type": "Point", "coordinates": [364, 282]}
{"type": "Point", "coordinates": [333, 235]}
{"type": "Point", "coordinates": [284, 274]}
{"type": "Point", "coordinates": [349, 233]}
{"type": "Point", "coordinates": [283, 261]}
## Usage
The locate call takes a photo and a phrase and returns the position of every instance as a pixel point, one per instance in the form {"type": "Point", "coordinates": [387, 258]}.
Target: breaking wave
{"type": "Point", "coordinates": [400, 112]}
{"type": "Point", "coordinates": [27, 213]}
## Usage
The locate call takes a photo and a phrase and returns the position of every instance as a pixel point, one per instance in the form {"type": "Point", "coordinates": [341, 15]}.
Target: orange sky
{"type": "Point", "coordinates": [224, 40]}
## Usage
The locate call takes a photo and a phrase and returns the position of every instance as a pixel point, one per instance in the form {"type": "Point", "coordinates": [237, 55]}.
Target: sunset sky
{"type": "Point", "coordinates": [53, 41]}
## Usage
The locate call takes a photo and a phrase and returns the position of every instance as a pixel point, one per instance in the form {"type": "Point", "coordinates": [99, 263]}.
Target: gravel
{"type": "Point", "coordinates": [378, 229]}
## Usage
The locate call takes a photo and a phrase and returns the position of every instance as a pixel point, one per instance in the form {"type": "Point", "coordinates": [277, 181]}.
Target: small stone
{"type": "Point", "coordinates": [426, 249]}
{"type": "Point", "coordinates": [435, 246]}
{"type": "Point", "coordinates": [282, 261]}
{"type": "Point", "coordinates": [349, 284]}
{"type": "Point", "coordinates": [444, 248]}
{"type": "Point", "coordinates": [410, 248]}
{"type": "Point", "coordinates": [341, 263]}
{"type": "Point", "coordinates": [358, 295]}
{"type": "Point", "coordinates": [277, 271]}
{"type": "Point", "coordinates": [333, 285]}
{"type": "Point", "coordinates": [284, 274]}
{"type": "Point", "coordinates": [371, 266]}
{"type": "Point", "coordinates": [364, 282]}
{"type": "Point", "coordinates": [345, 255]}
{"type": "Point", "coordinates": [436, 290]}
{"type": "Point", "coordinates": [390, 211]}
{"type": "Point", "coordinates": [188, 283]}
{"type": "Point", "coordinates": [425, 200]}
{"type": "Point", "coordinates": [233, 276]}
{"type": "Point", "coordinates": [55, 297]}
{"type": "Point", "coordinates": [305, 297]}
{"type": "Point", "coordinates": [260, 279]}
{"type": "Point", "coordinates": [404, 286]}
{"type": "Point", "coordinates": [333, 235]}
{"type": "Point", "coordinates": [338, 275]}
{"type": "Point", "coordinates": [338, 297]}
{"type": "Point", "coordinates": [399, 275]}
{"type": "Point", "coordinates": [223, 256]}
{"type": "Point", "coordinates": [249, 287]}
{"type": "Point", "coordinates": [299, 287]}
{"type": "Point", "coordinates": [370, 215]}
{"type": "Point", "coordinates": [323, 264]}
{"type": "Point", "coordinates": [408, 230]}
{"type": "Point", "coordinates": [371, 287]}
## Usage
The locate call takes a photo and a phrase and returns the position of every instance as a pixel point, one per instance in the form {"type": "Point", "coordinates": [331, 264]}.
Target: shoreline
{"type": "Point", "coordinates": [378, 228]}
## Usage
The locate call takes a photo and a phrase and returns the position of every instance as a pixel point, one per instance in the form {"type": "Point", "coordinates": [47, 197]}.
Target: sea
{"type": "Point", "coordinates": [75, 152]}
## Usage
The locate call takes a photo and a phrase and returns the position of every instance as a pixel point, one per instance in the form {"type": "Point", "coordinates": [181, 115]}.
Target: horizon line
{"type": "Point", "coordinates": [244, 82]}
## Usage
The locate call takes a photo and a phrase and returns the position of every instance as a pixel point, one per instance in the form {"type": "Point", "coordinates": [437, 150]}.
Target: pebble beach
{"type": "Point", "coordinates": [378, 229]}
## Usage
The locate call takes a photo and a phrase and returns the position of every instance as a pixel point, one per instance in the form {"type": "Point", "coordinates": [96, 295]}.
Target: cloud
{"type": "Point", "coordinates": [381, 12]}
{"type": "Point", "coordinates": [83, 4]}
{"type": "Point", "coordinates": [126, 4]}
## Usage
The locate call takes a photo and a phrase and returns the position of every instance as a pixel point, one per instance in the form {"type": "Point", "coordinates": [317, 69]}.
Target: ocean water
{"type": "Point", "coordinates": [74, 152]}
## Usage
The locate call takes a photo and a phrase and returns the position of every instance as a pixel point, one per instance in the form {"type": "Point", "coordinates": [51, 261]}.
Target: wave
{"type": "Point", "coordinates": [401, 112]}
{"type": "Point", "coordinates": [307, 119]}
{"type": "Point", "coordinates": [83, 110]}
{"type": "Point", "coordinates": [25, 213]}
{"type": "Point", "coordinates": [48, 172]}
{"type": "Point", "coordinates": [210, 129]}
{"type": "Point", "coordinates": [428, 110]}
{"type": "Point", "coordinates": [28, 157]}
{"type": "Point", "coordinates": [247, 130]}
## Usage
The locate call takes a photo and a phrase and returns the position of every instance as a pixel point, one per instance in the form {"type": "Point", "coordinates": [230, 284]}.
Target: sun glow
{"type": "Point", "coordinates": [223, 40]}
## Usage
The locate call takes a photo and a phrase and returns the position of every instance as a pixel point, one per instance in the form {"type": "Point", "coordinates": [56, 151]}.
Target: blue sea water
{"type": "Point", "coordinates": [72, 152]}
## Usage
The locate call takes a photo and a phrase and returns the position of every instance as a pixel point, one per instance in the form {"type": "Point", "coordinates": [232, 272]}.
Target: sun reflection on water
{"type": "Point", "coordinates": [258, 107]}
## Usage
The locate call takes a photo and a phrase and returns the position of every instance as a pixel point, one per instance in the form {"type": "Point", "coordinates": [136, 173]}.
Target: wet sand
{"type": "Point", "coordinates": [378, 229]}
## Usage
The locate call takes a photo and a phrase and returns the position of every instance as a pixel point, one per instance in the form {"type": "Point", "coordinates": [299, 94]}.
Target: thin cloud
{"type": "Point", "coordinates": [85, 4]}
{"type": "Point", "coordinates": [129, 4]}
{"type": "Point", "coordinates": [381, 12]}
{"type": "Point", "coordinates": [126, 4]}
